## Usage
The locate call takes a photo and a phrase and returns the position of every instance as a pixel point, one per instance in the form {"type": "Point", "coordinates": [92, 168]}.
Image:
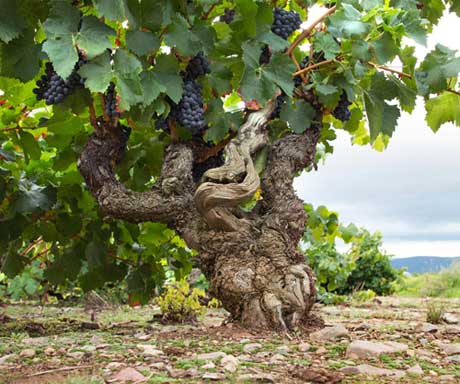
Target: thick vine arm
{"type": "Point", "coordinates": [169, 201]}
{"type": "Point", "coordinates": [288, 156]}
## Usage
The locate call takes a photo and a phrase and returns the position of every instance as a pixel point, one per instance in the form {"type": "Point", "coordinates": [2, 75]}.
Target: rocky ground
{"type": "Point", "coordinates": [387, 340]}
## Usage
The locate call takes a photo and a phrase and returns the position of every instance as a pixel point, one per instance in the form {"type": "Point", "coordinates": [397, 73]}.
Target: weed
{"type": "Point", "coordinates": [435, 312]}
{"type": "Point", "coordinates": [181, 304]}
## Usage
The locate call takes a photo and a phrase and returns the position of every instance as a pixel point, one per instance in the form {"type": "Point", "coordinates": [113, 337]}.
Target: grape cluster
{"type": "Point", "coordinates": [317, 57]}
{"type": "Point", "coordinates": [285, 22]}
{"type": "Point", "coordinates": [342, 112]}
{"type": "Point", "coordinates": [228, 16]}
{"type": "Point", "coordinates": [190, 112]}
{"type": "Point", "coordinates": [197, 66]}
{"type": "Point", "coordinates": [265, 55]}
{"type": "Point", "coordinates": [53, 88]}
{"type": "Point", "coordinates": [279, 104]}
{"type": "Point", "coordinates": [211, 162]}
{"type": "Point", "coordinates": [110, 101]}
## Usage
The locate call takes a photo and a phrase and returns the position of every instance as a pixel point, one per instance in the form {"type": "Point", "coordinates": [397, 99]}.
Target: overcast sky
{"type": "Point", "coordinates": [411, 191]}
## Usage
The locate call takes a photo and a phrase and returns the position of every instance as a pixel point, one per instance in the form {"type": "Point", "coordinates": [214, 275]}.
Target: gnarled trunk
{"type": "Point", "coordinates": [251, 259]}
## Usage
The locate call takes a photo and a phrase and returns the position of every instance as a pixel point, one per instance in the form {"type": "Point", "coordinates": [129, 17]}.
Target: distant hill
{"type": "Point", "coordinates": [424, 264]}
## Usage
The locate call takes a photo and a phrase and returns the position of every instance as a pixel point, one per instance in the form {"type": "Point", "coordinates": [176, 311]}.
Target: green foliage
{"type": "Point", "coordinates": [362, 296]}
{"type": "Point", "coordinates": [179, 303]}
{"type": "Point", "coordinates": [373, 267]}
{"type": "Point", "coordinates": [142, 46]}
{"type": "Point", "coordinates": [445, 283]}
{"type": "Point", "coordinates": [364, 267]}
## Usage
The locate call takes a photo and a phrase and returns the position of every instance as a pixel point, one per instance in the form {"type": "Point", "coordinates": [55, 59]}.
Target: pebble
{"type": "Point", "coordinates": [27, 353]}
{"type": "Point", "coordinates": [329, 333]}
{"type": "Point", "coordinates": [211, 355]}
{"type": "Point", "coordinates": [248, 348]}
{"type": "Point", "coordinates": [229, 363]}
{"type": "Point", "coordinates": [415, 370]}
{"type": "Point", "coordinates": [214, 376]}
{"type": "Point", "coordinates": [362, 349]}
{"type": "Point", "coordinates": [304, 347]}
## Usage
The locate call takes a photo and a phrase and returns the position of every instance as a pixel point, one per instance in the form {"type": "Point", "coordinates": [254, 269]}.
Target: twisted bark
{"type": "Point", "coordinates": [260, 275]}
{"type": "Point", "coordinates": [214, 199]}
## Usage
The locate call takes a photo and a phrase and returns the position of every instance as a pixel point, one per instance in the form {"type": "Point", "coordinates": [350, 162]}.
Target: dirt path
{"type": "Point", "coordinates": [379, 342]}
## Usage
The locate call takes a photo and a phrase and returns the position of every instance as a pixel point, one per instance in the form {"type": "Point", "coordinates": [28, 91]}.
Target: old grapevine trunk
{"type": "Point", "coordinates": [251, 259]}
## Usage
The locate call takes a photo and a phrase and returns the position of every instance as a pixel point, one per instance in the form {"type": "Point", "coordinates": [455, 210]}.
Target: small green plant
{"type": "Point", "coordinates": [214, 303]}
{"type": "Point", "coordinates": [362, 296]}
{"type": "Point", "coordinates": [435, 312]}
{"type": "Point", "coordinates": [180, 304]}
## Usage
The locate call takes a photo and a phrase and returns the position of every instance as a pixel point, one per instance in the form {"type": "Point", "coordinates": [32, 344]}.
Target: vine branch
{"type": "Point", "coordinates": [388, 69]}
{"type": "Point", "coordinates": [312, 66]}
{"type": "Point", "coordinates": [306, 32]}
{"type": "Point", "coordinates": [453, 91]}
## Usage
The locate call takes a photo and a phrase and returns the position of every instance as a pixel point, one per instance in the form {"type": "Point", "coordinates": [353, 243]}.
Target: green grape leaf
{"type": "Point", "coordinates": [141, 284]}
{"type": "Point", "coordinates": [166, 70]}
{"type": "Point", "coordinates": [30, 146]}
{"type": "Point", "coordinates": [279, 71]}
{"type": "Point", "coordinates": [68, 225]}
{"type": "Point", "coordinates": [299, 115]}
{"type": "Point", "coordinates": [381, 116]}
{"type": "Point", "coordinates": [12, 263]}
{"type": "Point", "coordinates": [180, 36]}
{"type": "Point", "coordinates": [11, 22]}
{"type": "Point", "coordinates": [406, 95]}
{"type": "Point", "coordinates": [151, 87]}
{"type": "Point", "coordinates": [130, 90]}
{"type": "Point", "coordinates": [275, 42]}
{"type": "Point", "coordinates": [347, 22]}
{"type": "Point", "coordinates": [437, 67]}
{"type": "Point", "coordinates": [442, 109]}
{"type": "Point", "coordinates": [19, 58]}
{"type": "Point", "coordinates": [67, 265]}
{"type": "Point", "coordinates": [111, 9]}
{"type": "Point", "coordinates": [142, 42]}
{"type": "Point", "coordinates": [93, 37]}
{"type": "Point", "coordinates": [325, 42]}
{"type": "Point", "coordinates": [62, 54]}
{"type": "Point", "coordinates": [385, 48]}
{"type": "Point", "coordinates": [98, 73]}
{"type": "Point", "coordinates": [220, 122]}
{"type": "Point", "coordinates": [60, 29]}
{"type": "Point", "coordinates": [147, 14]}
{"type": "Point", "coordinates": [95, 254]}
{"type": "Point", "coordinates": [455, 7]}
{"type": "Point", "coordinates": [32, 197]}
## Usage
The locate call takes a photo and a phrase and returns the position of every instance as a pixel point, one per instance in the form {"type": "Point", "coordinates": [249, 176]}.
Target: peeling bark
{"type": "Point", "coordinates": [212, 198]}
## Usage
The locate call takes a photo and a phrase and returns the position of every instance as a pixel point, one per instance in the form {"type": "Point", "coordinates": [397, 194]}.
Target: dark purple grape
{"type": "Point", "coordinates": [110, 101]}
{"type": "Point", "coordinates": [228, 16]}
{"type": "Point", "coordinates": [285, 22]}
{"type": "Point", "coordinates": [279, 104]}
{"type": "Point", "coordinates": [265, 55]}
{"type": "Point", "coordinates": [197, 66]}
{"type": "Point", "coordinates": [190, 112]}
{"type": "Point", "coordinates": [53, 88]}
{"type": "Point", "coordinates": [341, 111]}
